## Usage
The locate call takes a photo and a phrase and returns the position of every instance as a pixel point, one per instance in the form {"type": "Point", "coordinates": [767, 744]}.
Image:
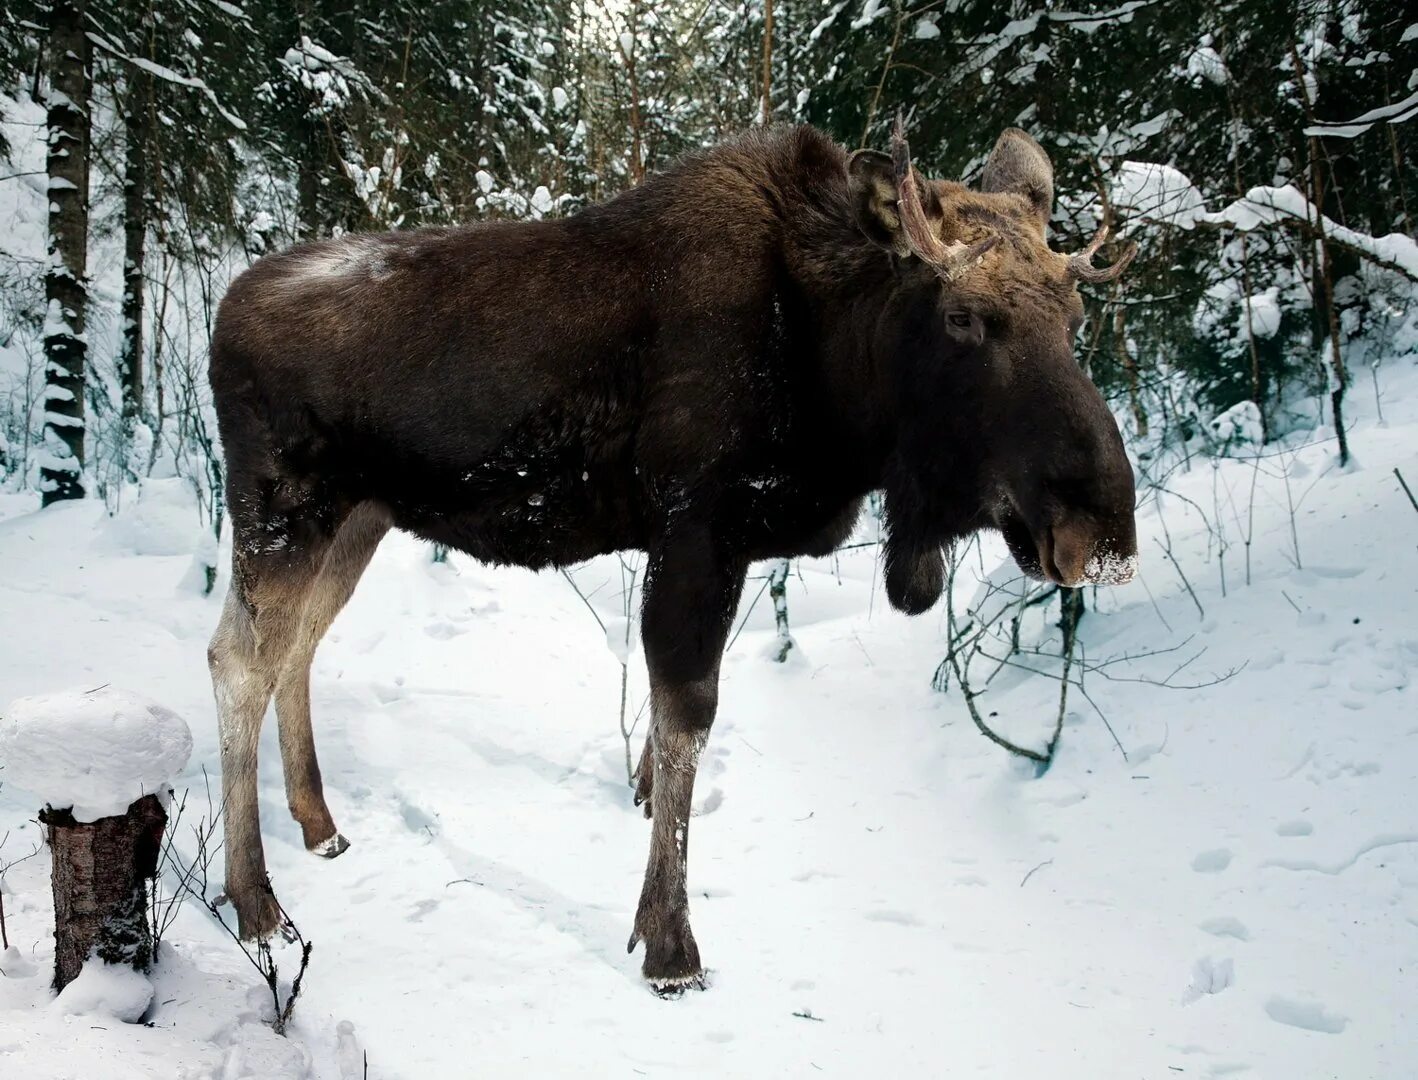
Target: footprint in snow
{"type": "Point", "coordinates": [1298, 827]}
{"type": "Point", "coordinates": [443, 631]}
{"type": "Point", "coordinates": [422, 908]}
{"type": "Point", "coordinates": [901, 918]}
{"type": "Point", "coordinates": [1209, 977]}
{"type": "Point", "coordinates": [416, 819]}
{"type": "Point", "coordinates": [1355, 768]}
{"type": "Point", "coordinates": [1226, 926]}
{"type": "Point", "coordinates": [1308, 1015]}
{"type": "Point", "coordinates": [1213, 861]}
{"type": "Point", "coordinates": [1266, 660]}
{"type": "Point", "coordinates": [708, 804]}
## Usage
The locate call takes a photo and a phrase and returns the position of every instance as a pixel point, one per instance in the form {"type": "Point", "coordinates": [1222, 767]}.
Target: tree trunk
{"type": "Point", "coordinates": [767, 113]}
{"type": "Point", "coordinates": [778, 592]}
{"type": "Point", "coordinates": [135, 234]}
{"type": "Point", "coordinates": [65, 285]}
{"type": "Point", "coordinates": [1337, 376]}
{"type": "Point", "coordinates": [1328, 319]}
{"type": "Point", "coordinates": [100, 876]}
{"type": "Point", "coordinates": [1129, 366]}
{"type": "Point", "coordinates": [307, 183]}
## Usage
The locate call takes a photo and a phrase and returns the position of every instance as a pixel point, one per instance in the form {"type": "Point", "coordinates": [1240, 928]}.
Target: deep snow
{"type": "Point", "coordinates": [877, 889]}
{"type": "Point", "coordinates": [94, 750]}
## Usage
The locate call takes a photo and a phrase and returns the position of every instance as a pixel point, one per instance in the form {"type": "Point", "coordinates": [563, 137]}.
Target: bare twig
{"type": "Point", "coordinates": [1167, 550]}
{"type": "Point", "coordinates": [1406, 489]}
{"type": "Point", "coordinates": [193, 880]}
{"type": "Point", "coordinates": [5, 868]}
{"type": "Point", "coordinates": [1046, 862]}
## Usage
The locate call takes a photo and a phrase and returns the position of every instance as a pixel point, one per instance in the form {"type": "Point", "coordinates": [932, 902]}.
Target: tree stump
{"type": "Point", "coordinates": [100, 880]}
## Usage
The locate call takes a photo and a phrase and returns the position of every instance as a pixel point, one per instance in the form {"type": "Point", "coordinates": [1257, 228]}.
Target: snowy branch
{"type": "Point", "coordinates": [1397, 113]}
{"type": "Point", "coordinates": [168, 75]}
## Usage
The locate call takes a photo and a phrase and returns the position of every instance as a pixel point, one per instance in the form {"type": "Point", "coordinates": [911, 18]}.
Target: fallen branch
{"type": "Point", "coordinates": [1046, 862]}
{"type": "Point", "coordinates": [1406, 489]}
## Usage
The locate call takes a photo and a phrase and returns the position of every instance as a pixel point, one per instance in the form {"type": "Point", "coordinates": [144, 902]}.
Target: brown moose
{"type": "Point", "coordinates": [714, 367]}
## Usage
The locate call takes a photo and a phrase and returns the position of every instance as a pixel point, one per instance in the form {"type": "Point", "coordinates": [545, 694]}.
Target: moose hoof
{"type": "Point", "coordinates": [331, 848]}
{"type": "Point", "coordinates": [671, 961]}
{"type": "Point", "coordinates": [672, 988]}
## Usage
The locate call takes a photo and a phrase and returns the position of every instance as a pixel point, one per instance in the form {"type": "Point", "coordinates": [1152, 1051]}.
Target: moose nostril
{"type": "Point", "coordinates": [1070, 552]}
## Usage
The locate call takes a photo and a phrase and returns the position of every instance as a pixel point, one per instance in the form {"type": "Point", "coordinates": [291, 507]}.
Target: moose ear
{"type": "Point", "coordinates": [871, 182]}
{"type": "Point", "coordinates": [1020, 166]}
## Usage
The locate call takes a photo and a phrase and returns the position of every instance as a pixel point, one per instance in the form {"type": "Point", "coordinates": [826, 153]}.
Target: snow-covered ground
{"type": "Point", "coordinates": [877, 889]}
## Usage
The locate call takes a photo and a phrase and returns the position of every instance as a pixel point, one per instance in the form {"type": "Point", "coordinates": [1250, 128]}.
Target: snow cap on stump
{"type": "Point", "coordinates": [97, 751]}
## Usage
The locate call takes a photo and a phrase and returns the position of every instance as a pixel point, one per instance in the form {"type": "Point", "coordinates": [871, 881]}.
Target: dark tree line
{"type": "Point", "coordinates": [204, 133]}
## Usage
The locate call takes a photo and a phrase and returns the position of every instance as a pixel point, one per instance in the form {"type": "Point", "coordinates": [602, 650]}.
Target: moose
{"type": "Point", "coordinates": [714, 367]}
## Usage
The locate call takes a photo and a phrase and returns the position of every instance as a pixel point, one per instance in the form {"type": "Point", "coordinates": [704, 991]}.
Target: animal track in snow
{"type": "Point", "coordinates": [1266, 660]}
{"type": "Point", "coordinates": [1226, 926]}
{"type": "Point", "coordinates": [1213, 861]}
{"type": "Point", "coordinates": [711, 802]}
{"type": "Point", "coordinates": [442, 631]}
{"type": "Point", "coordinates": [1298, 827]}
{"type": "Point", "coordinates": [902, 918]}
{"type": "Point", "coordinates": [1209, 977]}
{"type": "Point", "coordinates": [422, 908]}
{"type": "Point", "coordinates": [1354, 768]}
{"type": "Point", "coordinates": [1308, 1015]}
{"type": "Point", "coordinates": [415, 818]}
{"type": "Point", "coordinates": [1381, 841]}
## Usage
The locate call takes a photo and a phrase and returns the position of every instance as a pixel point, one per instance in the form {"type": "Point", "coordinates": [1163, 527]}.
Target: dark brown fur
{"type": "Point", "coordinates": [713, 368]}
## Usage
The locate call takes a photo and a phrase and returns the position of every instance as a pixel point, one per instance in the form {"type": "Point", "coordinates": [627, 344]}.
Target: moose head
{"type": "Point", "coordinates": [998, 426]}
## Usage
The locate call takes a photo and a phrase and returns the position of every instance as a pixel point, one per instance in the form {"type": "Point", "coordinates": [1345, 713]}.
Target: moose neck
{"type": "Point", "coordinates": [847, 286]}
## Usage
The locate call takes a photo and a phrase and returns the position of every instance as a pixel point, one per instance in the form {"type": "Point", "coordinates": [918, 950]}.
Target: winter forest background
{"type": "Point", "coordinates": [1249, 696]}
{"type": "Point", "coordinates": [214, 132]}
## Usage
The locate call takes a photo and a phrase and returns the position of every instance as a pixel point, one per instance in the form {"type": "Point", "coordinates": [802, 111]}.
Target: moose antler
{"type": "Point", "coordinates": [1081, 265]}
{"type": "Point", "coordinates": [950, 261]}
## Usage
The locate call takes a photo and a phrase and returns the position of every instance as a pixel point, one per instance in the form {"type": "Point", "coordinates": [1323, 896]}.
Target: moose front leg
{"type": "Point", "coordinates": [690, 599]}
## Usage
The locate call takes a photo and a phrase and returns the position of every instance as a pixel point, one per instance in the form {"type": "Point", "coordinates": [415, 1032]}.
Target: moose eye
{"type": "Point", "coordinates": [959, 319]}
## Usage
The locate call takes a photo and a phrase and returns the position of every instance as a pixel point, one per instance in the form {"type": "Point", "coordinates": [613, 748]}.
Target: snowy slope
{"type": "Point", "coordinates": [877, 889]}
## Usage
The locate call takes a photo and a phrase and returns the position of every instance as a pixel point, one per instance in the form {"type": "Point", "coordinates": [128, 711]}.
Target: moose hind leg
{"type": "Point", "coordinates": [256, 631]}
{"type": "Point", "coordinates": [689, 604]}
{"type": "Point", "coordinates": [354, 545]}
{"type": "Point", "coordinates": [276, 555]}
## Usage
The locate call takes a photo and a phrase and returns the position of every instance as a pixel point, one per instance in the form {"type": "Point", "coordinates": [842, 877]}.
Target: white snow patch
{"type": "Point", "coordinates": [1240, 425]}
{"type": "Point", "coordinates": [1158, 193]}
{"type": "Point", "coordinates": [1265, 313]}
{"type": "Point", "coordinates": [163, 521]}
{"type": "Point", "coordinates": [106, 991]}
{"type": "Point", "coordinates": [97, 751]}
